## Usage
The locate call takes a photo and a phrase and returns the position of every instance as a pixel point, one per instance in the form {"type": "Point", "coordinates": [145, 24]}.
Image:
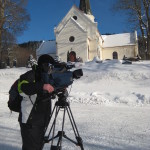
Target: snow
{"type": "Point", "coordinates": [123, 38]}
{"type": "Point", "coordinates": [110, 104]}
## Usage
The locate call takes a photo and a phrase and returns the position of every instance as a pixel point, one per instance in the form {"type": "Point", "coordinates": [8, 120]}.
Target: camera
{"type": "Point", "coordinates": [61, 75]}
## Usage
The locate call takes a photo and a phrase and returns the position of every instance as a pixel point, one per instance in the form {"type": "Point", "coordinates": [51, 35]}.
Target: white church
{"type": "Point", "coordinates": [77, 36]}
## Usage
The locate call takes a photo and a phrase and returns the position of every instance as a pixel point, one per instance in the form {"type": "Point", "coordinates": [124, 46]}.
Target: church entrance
{"type": "Point", "coordinates": [72, 56]}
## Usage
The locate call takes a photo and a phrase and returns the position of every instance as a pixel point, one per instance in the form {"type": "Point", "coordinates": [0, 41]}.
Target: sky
{"type": "Point", "coordinates": [110, 104]}
{"type": "Point", "coordinates": [46, 14]}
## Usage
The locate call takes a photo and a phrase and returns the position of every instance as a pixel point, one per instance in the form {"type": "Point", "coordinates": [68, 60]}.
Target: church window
{"type": "Point", "coordinates": [72, 38]}
{"type": "Point", "coordinates": [115, 55]}
{"type": "Point", "coordinates": [75, 17]}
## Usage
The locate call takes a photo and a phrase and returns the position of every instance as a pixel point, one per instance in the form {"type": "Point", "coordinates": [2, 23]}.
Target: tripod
{"type": "Point", "coordinates": [62, 104]}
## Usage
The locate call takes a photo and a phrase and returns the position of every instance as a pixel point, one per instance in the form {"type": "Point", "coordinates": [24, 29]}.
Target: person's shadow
{"type": "Point", "coordinates": [9, 139]}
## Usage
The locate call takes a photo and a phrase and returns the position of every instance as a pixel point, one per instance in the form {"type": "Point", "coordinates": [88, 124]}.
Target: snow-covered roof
{"type": "Point", "coordinates": [46, 47]}
{"type": "Point", "coordinates": [122, 39]}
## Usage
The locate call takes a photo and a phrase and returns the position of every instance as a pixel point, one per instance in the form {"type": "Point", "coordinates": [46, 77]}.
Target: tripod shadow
{"type": "Point", "coordinates": [99, 147]}
{"type": "Point", "coordinates": [8, 147]}
{"type": "Point", "coordinates": [89, 146]}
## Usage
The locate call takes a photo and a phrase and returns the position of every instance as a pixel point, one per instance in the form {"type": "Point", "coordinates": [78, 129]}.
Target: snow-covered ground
{"type": "Point", "coordinates": [110, 104]}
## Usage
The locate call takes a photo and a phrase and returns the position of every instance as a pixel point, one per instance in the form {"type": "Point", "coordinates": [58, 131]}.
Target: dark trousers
{"type": "Point", "coordinates": [32, 137]}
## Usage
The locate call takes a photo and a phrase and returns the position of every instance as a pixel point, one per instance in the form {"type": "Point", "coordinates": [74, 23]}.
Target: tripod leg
{"type": "Point", "coordinates": [62, 131]}
{"type": "Point", "coordinates": [50, 118]}
{"type": "Point", "coordinates": [54, 121]}
{"type": "Point", "coordinates": [72, 122]}
{"type": "Point", "coordinates": [74, 126]}
{"type": "Point", "coordinates": [54, 124]}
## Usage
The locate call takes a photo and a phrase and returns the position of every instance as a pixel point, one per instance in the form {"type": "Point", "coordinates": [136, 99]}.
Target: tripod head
{"type": "Point", "coordinates": [62, 98]}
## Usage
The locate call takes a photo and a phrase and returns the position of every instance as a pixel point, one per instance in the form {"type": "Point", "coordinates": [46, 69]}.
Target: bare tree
{"type": "Point", "coordinates": [138, 12]}
{"type": "Point", "coordinates": [13, 20]}
{"type": "Point", "coordinates": [8, 40]}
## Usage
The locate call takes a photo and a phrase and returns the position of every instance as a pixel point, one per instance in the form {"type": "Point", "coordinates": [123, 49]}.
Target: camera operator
{"type": "Point", "coordinates": [36, 104]}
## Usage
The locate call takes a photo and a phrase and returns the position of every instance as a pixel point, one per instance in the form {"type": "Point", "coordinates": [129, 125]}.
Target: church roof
{"type": "Point", "coordinates": [47, 47]}
{"type": "Point", "coordinates": [73, 10]}
{"type": "Point", "coordinates": [122, 39]}
{"type": "Point", "coordinates": [75, 23]}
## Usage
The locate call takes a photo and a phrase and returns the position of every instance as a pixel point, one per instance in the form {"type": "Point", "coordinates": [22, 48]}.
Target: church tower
{"type": "Point", "coordinates": [86, 8]}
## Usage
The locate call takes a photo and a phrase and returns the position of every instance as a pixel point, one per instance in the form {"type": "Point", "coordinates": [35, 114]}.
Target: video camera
{"type": "Point", "coordinates": [61, 77]}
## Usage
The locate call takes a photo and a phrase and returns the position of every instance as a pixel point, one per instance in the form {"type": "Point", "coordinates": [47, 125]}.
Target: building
{"type": "Point", "coordinates": [47, 47]}
{"type": "Point", "coordinates": [117, 46]}
{"type": "Point", "coordinates": [77, 35]}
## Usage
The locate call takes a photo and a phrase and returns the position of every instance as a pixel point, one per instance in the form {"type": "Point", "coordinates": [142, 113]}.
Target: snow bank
{"type": "Point", "coordinates": [113, 83]}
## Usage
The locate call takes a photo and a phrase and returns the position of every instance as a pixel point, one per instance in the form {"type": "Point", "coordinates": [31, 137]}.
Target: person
{"type": "Point", "coordinates": [14, 62]}
{"type": "Point", "coordinates": [36, 104]}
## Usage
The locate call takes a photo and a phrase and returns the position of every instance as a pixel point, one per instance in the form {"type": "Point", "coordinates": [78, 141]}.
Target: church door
{"type": "Point", "coordinates": [72, 56]}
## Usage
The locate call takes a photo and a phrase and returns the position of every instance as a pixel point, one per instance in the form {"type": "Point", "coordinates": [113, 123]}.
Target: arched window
{"type": "Point", "coordinates": [115, 55]}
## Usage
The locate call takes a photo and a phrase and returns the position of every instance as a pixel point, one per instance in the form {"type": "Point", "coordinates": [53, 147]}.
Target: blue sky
{"type": "Point", "coordinates": [46, 14]}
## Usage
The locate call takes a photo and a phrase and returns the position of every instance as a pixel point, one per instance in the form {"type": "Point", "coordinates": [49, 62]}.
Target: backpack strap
{"type": "Point", "coordinates": [31, 100]}
{"type": "Point", "coordinates": [20, 83]}
{"type": "Point", "coordinates": [34, 67]}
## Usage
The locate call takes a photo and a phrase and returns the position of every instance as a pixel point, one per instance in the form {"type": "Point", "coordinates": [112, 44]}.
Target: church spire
{"type": "Point", "coordinates": [85, 6]}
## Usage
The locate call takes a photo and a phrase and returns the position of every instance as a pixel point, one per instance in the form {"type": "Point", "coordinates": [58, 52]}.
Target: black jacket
{"type": "Point", "coordinates": [36, 105]}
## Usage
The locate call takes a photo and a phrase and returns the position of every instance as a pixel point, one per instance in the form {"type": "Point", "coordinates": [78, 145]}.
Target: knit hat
{"type": "Point", "coordinates": [45, 59]}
